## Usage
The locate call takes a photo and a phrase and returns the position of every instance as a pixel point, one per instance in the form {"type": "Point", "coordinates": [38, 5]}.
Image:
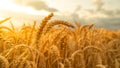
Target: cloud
{"type": "Point", "coordinates": [99, 4]}
{"type": "Point", "coordinates": [111, 13]}
{"type": "Point", "coordinates": [110, 23]}
{"type": "Point", "coordinates": [117, 12]}
{"type": "Point", "coordinates": [75, 15]}
{"type": "Point", "coordinates": [108, 12]}
{"type": "Point", "coordinates": [36, 4]}
{"type": "Point", "coordinates": [78, 8]}
{"type": "Point", "coordinates": [100, 8]}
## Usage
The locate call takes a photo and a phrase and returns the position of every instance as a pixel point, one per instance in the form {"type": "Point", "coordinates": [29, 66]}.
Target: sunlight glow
{"type": "Point", "coordinates": [9, 5]}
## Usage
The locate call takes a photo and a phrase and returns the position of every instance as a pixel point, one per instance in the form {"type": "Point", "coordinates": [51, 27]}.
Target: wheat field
{"type": "Point", "coordinates": [58, 44]}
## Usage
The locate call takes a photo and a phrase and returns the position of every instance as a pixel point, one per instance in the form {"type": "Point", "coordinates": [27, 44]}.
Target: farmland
{"type": "Point", "coordinates": [58, 44]}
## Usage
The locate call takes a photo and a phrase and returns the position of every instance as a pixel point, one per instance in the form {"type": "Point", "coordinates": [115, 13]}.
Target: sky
{"type": "Point", "coordinates": [103, 13]}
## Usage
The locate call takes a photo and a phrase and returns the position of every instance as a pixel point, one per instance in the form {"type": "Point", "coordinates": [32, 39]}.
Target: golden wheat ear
{"type": "Point", "coordinates": [12, 26]}
{"type": "Point", "coordinates": [4, 62]}
{"type": "Point", "coordinates": [41, 27]}
{"type": "Point", "coordinates": [43, 24]}
{"type": "Point", "coordinates": [56, 22]}
{"type": "Point", "coordinates": [2, 21]}
{"type": "Point", "coordinates": [77, 23]}
{"type": "Point", "coordinates": [7, 28]}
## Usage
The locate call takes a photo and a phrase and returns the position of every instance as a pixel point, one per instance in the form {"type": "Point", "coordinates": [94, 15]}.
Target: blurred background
{"type": "Point", "coordinates": [102, 13]}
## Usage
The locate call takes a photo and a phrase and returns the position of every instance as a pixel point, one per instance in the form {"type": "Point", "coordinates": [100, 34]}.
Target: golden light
{"type": "Point", "coordinates": [10, 9]}
{"type": "Point", "coordinates": [11, 6]}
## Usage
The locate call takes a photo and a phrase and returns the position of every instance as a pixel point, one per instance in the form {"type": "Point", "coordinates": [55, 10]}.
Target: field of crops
{"type": "Point", "coordinates": [58, 44]}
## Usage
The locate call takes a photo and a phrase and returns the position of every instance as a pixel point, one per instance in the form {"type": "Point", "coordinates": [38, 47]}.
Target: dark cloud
{"type": "Point", "coordinates": [110, 23]}
{"type": "Point", "coordinates": [111, 13]}
{"type": "Point", "coordinates": [117, 12]}
{"type": "Point", "coordinates": [36, 4]}
{"type": "Point", "coordinates": [108, 12]}
{"type": "Point", "coordinates": [40, 5]}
